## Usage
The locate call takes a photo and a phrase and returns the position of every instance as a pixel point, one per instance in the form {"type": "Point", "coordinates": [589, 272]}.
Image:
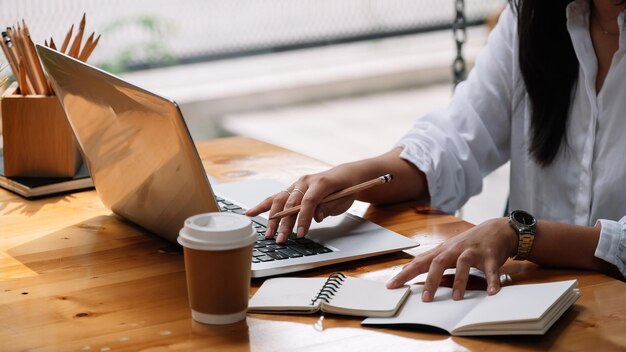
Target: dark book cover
{"type": "Point", "coordinates": [31, 187]}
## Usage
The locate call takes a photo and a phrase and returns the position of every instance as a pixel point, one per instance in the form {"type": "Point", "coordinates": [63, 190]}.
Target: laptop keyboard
{"type": "Point", "coordinates": [267, 250]}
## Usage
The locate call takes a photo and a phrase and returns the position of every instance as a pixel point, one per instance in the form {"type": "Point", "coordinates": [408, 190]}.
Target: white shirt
{"type": "Point", "coordinates": [488, 123]}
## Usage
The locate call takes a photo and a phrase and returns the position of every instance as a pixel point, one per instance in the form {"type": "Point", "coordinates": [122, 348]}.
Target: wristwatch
{"type": "Point", "coordinates": [526, 227]}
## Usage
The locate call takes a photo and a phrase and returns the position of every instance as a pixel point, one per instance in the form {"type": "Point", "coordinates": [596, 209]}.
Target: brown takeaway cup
{"type": "Point", "coordinates": [218, 253]}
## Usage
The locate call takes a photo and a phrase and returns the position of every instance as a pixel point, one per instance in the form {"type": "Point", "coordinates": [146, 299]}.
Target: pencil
{"type": "Point", "coordinates": [86, 47]}
{"type": "Point", "coordinates": [23, 55]}
{"type": "Point", "coordinates": [10, 58]}
{"type": "Point", "coordinates": [87, 51]}
{"type": "Point", "coordinates": [34, 60]}
{"type": "Point", "coordinates": [52, 45]}
{"type": "Point", "coordinates": [75, 48]}
{"type": "Point", "coordinates": [343, 193]}
{"type": "Point", "coordinates": [66, 41]}
{"type": "Point", "coordinates": [13, 56]}
{"type": "Point", "coordinates": [22, 80]}
{"type": "Point", "coordinates": [25, 28]}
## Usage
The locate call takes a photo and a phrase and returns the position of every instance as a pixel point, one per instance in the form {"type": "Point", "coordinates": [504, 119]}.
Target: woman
{"type": "Point", "coordinates": [548, 94]}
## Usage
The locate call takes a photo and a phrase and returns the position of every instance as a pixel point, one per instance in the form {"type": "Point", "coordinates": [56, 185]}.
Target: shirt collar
{"type": "Point", "coordinates": [578, 12]}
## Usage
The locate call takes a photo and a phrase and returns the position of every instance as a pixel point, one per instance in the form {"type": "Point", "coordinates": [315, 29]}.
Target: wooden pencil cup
{"type": "Point", "coordinates": [38, 140]}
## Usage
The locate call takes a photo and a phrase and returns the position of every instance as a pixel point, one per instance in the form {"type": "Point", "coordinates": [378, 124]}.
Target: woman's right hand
{"type": "Point", "coordinates": [308, 192]}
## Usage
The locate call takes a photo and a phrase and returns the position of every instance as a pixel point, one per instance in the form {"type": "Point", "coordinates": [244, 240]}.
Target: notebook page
{"type": "Point", "coordinates": [365, 297]}
{"type": "Point", "coordinates": [529, 327]}
{"type": "Point", "coordinates": [286, 294]}
{"type": "Point", "coordinates": [443, 312]}
{"type": "Point", "coordinates": [518, 303]}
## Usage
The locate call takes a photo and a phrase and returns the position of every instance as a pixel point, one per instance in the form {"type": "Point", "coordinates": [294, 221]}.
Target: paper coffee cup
{"type": "Point", "coordinates": [218, 255]}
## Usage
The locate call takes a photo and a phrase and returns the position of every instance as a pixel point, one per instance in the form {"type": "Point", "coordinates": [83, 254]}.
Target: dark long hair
{"type": "Point", "coordinates": [550, 70]}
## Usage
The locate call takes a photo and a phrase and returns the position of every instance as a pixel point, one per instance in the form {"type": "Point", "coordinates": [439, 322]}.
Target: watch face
{"type": "Point", "coordinates": [523, 217]}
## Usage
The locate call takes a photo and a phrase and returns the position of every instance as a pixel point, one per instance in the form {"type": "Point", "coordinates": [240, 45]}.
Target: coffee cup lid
{"type": "Point", "coordinates": [217, 232]}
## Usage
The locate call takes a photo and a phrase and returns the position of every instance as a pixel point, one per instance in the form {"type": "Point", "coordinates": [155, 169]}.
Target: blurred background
{"type": "Point", "coordinates": [336, 80]}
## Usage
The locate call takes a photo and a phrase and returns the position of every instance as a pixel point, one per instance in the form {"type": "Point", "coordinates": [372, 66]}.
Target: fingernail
{"type": "Point", "coordinates": [300, 231]}
{"type": "Point", "coordinates": [392, 283]}
{"type": "Point", "coordinates": [456, 295]}
{"type": "Point", "coordinates": [280, 237]}
{"type": "Point", "coordinates": [269, 232]}
{"type": "Point", "coordinates": [427, 296]}
{"type": "Point", "coordinates": [493, 290]}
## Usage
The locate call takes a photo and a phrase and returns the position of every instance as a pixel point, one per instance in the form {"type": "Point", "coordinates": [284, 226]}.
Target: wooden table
{"type": "Point", "coordinates": [74, 277]}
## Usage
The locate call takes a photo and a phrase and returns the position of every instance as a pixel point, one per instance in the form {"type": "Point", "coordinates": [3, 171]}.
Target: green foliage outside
{"type": "Point", "coordinates": [153, 51]}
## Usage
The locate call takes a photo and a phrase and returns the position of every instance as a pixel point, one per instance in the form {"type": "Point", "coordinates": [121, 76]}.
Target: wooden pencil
{"type": "Point", "coordinates": [33, 60]}
{"type": "Point", "coordinates": [11, 46]}
{"type": "Point", "coordinates": [52, 45]}
{"type": "Point", "coordinates": [10, 59]}
{"type": "Point", "coordinates": [22, 80]}
{"type": "Point", "coordinates": [87, 51]}
{"type": "Point", "coordinates": [75, 48]}
{"type": "Point", "coordinates": [86, 46]}
{"type": "Point", "coordinates": [25, 30]}
{"type": "Point", "coordinates": [66, 41]}
{"type": "Point", "coordinates": [41, 77]}
{"type": "Point", "coordinates": [23, 56]}
{"type": "Point", "coordinates": [343, 193]}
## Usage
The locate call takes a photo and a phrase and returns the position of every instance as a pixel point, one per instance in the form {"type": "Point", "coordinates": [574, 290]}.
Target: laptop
{"type": "Point", "coordinates": [146, 169]}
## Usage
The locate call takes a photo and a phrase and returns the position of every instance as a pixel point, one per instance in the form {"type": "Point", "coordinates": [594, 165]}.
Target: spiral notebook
{"type": "Point", "coordinates": [337, 294]}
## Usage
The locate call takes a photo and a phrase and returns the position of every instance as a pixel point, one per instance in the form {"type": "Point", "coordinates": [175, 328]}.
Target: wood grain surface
{"type": "Point", "coordinates": [74, 277]}
{"type": "Point", "coordinates": [38, 140]}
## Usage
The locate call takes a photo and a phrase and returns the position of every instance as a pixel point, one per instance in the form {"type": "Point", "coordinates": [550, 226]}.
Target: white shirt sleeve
{"type": "Point", "coordinates": [612, 244]}
{"type": "Point", "coordinates": [458, 146]}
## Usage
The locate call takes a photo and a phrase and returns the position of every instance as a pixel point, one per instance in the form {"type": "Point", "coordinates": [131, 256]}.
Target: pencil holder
{"type": "Point", "coordinates": [38, 141]}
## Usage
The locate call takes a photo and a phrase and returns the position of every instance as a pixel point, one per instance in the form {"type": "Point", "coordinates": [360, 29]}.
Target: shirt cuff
{"type": "Point", "coordinates": [416, 155]}
{"type": "Point", "coordinates": [612, 243]}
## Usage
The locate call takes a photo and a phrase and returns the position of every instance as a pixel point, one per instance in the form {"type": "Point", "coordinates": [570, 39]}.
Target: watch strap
{"type": "Point", "coordinates": [524, 245]}
{"type": "Point", "coordinates": [526, 226]}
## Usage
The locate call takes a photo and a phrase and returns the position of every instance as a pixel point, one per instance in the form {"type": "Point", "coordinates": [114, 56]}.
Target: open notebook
{"type": "Point", "coordinates": [338, 294]}
{"type": "Point", "coordinates": [516, 310]}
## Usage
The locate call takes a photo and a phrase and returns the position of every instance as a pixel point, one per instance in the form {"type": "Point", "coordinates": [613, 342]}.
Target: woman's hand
{"type": "Point", "coordinates": [308, 191]}
{"type": "Point", "coordinates": [486, 247]}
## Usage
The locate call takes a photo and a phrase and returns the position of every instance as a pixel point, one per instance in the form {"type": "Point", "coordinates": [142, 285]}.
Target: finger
{"type": "Point", "coordinates": [309, 206]}
{"type": "Point", "coordinates": [417, 266]}
{"type": "Point", "coordinates": [262, 207]}
{"type": "Point", "coordinates": [286, 224]}
{"type": "Point", "coordinates": [284, 229]}
{"type": "Point", "coordinates": [463, 265]}
{"type": "Point", "coordinates": [492, 273]}
{"type": "Point", "coordinates": [409, 271]}
{"type": "Point", "coordinates": [302, 196]}
{"type": "Point", "coordinates": [320, 213]}
{"type": "Point", "coordinates": [437, 266]}
{"type": "Point", "coordinates": [278, 204]}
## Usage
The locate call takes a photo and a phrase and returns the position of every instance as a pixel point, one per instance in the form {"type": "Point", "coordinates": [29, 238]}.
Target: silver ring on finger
{"type": "Point", "coordinates": [297, 190]}
{"type": "Point", "coordinates": [284, 190]}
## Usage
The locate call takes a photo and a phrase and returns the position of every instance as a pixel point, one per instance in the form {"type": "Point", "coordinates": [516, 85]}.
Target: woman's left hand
{"type": "Point", "coordinates": [486, 247]}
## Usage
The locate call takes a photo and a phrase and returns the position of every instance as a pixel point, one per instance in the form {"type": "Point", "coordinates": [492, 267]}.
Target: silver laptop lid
{"type": "Point", "coordinates": [136, 146]}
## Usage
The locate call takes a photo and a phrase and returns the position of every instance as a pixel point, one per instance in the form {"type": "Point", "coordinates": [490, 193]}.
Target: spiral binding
{"type": "Point", "coordinates": [330, 287]}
